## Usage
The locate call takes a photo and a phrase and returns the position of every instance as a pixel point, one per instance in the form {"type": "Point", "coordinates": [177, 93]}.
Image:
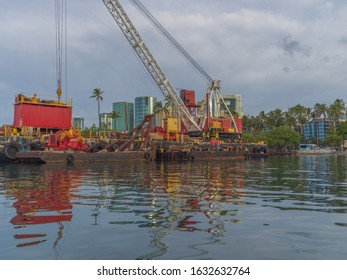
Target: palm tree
{"type": "Point", "coordinates": [248, 123]}
{"type": "Point", "coordinates": [336, 110]}
{"type": "Point", "coordinates": [301, 115]}
{"type": "Point", "coordinates": [290, 120]}
{"type": "Point", "coordinates": [97, 94]}
{"type": "Point", "coordinates": [319, 110]}
{"type": "Point", "coordinates": [115, 115]}
{"type": "Point", "coordinates": [158, 106]}
{"type": "Point", "coordinates": [275, 118]}
{"type": "Point", "coordinates": [261, 121]}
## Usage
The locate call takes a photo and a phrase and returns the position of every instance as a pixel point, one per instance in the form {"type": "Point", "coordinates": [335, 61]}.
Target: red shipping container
{"type": "Point", "coordinates": [42, 116]}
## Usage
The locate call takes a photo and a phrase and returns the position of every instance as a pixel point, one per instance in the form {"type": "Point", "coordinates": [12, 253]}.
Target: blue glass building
{"type": "Point", "coordinates": [144, 105]}
{"type": "Point", "coordinates": [318, 129]}
{"type": "Point", "coordinates": [125, 121]}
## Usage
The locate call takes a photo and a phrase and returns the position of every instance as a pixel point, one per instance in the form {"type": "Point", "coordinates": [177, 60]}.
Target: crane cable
{"type": "Point", "coordinates": [143, 10]}
{"type": "Point", "coordinates": [61, 39]}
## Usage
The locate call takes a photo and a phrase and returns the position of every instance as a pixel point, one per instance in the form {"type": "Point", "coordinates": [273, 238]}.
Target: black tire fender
{"type": "Point", "coordinates": [97, 147]}
{"type": "Point", "coordinates": [11, 148]}
{"type": "Point", "coordinates": [34, 146]}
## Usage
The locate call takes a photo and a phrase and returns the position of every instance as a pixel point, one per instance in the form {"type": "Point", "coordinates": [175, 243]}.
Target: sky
{"type": "Point", "coordinates": [275, 54]}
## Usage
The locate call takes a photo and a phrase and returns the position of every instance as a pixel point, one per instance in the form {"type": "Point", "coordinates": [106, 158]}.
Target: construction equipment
{"type": "Point", "coordinates": [60, 29]}
{"type": "Point", "coordinates": [148, 60]}
{"type": "Point", "coordinates": [191, 123]}
{"type": "Point", "coordinates": [213, 97]}
{"type": "Point", "coordinates": [65, 140]}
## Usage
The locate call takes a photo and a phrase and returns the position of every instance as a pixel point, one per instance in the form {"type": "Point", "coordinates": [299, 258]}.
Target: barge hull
{"type": "Point", "coordinates": [199, 155]}
{"type": "Point", "coordinates": [71, 157]}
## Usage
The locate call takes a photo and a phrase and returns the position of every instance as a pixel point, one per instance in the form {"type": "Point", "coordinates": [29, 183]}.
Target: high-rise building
{"type": "Point", "coordinates": [106, 121]}
{"type": "Point", "coordinates": [318, 129]}
{"type": "Point", "coordinates": [144, 105]}
{"type": "Point", "coordinates": [125, 121]}
{"type": "Point", "coordinates": [78, 123]}
{"type": "Point", "coordinates": [234, 104]}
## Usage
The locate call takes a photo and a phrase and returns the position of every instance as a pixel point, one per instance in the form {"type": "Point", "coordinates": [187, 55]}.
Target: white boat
{"type": "Point", "coordinates": [308, 149]}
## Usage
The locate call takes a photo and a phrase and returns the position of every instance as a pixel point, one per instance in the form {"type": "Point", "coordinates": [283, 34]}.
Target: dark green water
{"type": "Point", "coordinates": [278, 208]}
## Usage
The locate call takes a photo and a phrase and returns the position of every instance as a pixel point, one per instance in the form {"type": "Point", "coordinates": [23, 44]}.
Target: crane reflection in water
{"type": "Point", "coordinates": [176, 201]}
{"type": "Point", "coordinates": [42, 198]}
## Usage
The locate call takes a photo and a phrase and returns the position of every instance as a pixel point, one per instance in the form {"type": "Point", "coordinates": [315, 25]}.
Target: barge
{"type": "Point", "coordinates": [47, 138]}
{"type": "Point", "coordinates": [186, 152]}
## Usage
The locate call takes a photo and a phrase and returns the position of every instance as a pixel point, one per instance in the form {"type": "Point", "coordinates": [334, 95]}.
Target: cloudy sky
{"type": "Point", "coordinates": [275, 54]}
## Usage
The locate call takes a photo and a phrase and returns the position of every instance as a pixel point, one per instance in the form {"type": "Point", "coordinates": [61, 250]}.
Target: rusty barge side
{"type": "Point", "coordinates": [182, 153]}
{"type": "Point", "coordinates": [204, 151]}
{"type": "Point", "coordinates": [81, 157]}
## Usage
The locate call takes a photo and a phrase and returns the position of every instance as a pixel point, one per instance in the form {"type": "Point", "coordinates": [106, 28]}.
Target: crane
{"type": "Point", "coordinates": [213, 93]}
{"type": "Point", "coordinates": [148, 60]}
{"type": "Point", "coordinates": [158, 75]}
{"type": "Point", "coordinates": [60, 33]}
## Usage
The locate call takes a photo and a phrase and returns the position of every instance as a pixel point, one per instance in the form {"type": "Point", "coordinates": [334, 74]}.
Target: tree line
{"type": "Point", "coordinates": [285, 129]}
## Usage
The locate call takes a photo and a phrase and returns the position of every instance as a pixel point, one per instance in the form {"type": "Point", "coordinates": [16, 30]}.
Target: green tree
{"type": "Point", "coordinates": [320, 109]}
{"type": "Point", "coordinates": [342, 131]}
{"type": "Point", "coordinates": [93, 127]}
{"type": "Point", "coordinates": [300, 113]}
{"type": "Point", "coordinates": [261, 122]}
{"type": "Point", "coordinates": [275, 118]}
{"type": "Point", "coordinates": [290, 120]}
{"type": "Point", "coordinates": [335, 110]}
{"type": "Point", "coordinates": [97, 94]}
{"type": "Point", "coordinates": [333, 138]}
{"type": "Point", "coordinates": [283, 137]}
{"type": "Point", "coordinates": [249, 124]}
{"type": "Point", "coordinates": [158, 106]}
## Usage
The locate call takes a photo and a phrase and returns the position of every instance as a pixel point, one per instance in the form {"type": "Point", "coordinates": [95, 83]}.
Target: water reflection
{"type": "Point", "coordinates": [179, 198]}
{"type": "Point", "coordinates": [308, 180]}
{"type": "Point", "coordinates": [175, 210]}
{"type": "Point", "coordinates": [41, 196]}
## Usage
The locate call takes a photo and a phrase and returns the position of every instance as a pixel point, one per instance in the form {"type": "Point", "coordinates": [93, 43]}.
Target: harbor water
{"type": "Point", "coordinates": [280, 208]}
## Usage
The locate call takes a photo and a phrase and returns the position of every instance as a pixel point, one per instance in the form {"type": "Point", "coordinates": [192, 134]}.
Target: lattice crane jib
{"type": "Point", "coordinates": [148, 60]}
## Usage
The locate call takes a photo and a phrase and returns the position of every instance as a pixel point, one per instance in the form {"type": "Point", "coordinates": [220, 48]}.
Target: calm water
{"type": "Point", "coordinates": [278, 208]}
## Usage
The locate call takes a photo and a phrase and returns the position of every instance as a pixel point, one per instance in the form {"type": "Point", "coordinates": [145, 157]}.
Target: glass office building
{"type": "Point", "coordinates": [125, 121]}
{"type": "Point", "coordinates": [144, 105]}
